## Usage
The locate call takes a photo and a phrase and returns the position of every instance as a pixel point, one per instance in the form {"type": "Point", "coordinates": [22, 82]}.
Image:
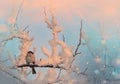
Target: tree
{"type": "Point", "coordinates": [58, 66]}
{"type": "Point", "coordinates": [57, 60]}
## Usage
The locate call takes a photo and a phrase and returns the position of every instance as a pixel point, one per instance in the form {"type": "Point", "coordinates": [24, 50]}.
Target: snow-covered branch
{"type": "Point", "coordinates": [60, 57]}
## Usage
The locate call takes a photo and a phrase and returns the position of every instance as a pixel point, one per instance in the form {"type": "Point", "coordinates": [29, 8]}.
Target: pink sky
{"type": "Point", "coordinates": [106, 12]}
{"type": "Point", "coordinates": [90, 9]}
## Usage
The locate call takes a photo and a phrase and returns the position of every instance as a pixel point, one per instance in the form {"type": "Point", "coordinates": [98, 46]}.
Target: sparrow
{"type": "Point", "coordinates": [30, 59]}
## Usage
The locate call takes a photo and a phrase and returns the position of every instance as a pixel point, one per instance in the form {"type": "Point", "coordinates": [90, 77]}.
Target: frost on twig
{"type": "Point", "coordinates": [25, 41]}
{"type": "Point", "coordinates": [63, 58]}
{"type": "Point", "coordinates": [7, 71]}
{"type": "Point", "coordinates": [60, 57]}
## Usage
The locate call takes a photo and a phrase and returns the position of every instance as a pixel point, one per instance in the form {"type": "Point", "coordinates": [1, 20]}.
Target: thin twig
{"type": "Point", "coordinates": [63, 38]}
{"type": "Point", "coordinates": [6, 70]}
{"type": "Point", "coordinates": [76, 50]}
{"type": "Point", "coordinates": [59, 74]}
{"type": "Point", "coordinates": [18, 12]}
{"type": "Point", "coordinates": [15, 57]}
{"type": "Point", "coordinates": [25, 27]}
{"type": "Point", "coordinates": [46, 20]}
{"type": "Point", "coordinates": [84, 72]}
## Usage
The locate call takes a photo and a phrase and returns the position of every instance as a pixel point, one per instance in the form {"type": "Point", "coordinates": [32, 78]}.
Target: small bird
{"type": "Point", "coordinates": [30, 59]}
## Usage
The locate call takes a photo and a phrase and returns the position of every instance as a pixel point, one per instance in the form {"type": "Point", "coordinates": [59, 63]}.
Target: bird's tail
{"type": "Point", "coordinates": [33, 70]}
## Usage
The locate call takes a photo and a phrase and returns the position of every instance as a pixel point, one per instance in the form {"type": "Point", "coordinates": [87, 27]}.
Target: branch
{"type": "Point", "coordinates": [6, 70]}
{"type": "Point", "coordinates": [18, 12]}
{"type": "Point", "coordinates": [76, 50]}
{"type": "Point", "coordinates": [25, 28]}
{"type": "Point", "coordinates": [63, 38]}
{"type": "Point", "coordinates": [84, 72]}
{"type": "Point", "coordinates": [47, 20]}
{"type": "Point", "coordinates": [59, 74]}
{"type": "Point", "coordinates": [45, 66]}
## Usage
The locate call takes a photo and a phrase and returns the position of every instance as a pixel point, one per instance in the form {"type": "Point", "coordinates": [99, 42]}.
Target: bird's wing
{"type": "Point", "coordinates": [33, 58]}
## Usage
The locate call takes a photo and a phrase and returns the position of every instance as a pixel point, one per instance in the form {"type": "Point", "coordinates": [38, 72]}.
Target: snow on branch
{"type": "Point", "coordinates": [7, 71]}
{"type": "Point", "coordinates": [56, 59]}
{"type": "Point", "coordinates": [26, 42]}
